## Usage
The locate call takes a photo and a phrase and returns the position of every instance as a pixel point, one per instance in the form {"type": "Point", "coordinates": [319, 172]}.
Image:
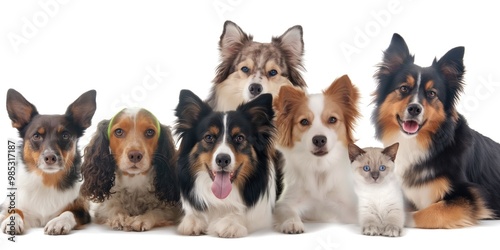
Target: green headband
{"type": "Point", "coordinates": [154, 117]}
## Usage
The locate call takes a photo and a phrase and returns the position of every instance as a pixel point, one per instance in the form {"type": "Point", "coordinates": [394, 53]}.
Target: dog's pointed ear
{"type": "Point", "coordinates": [20, 110]}
{"type": "Point", "coordinates": [189, 111]}
{"type": "Point", "coordinates": [451, 66]}
{"type": "Point", "coordinates": [98, 167]}
{"type": "Point", "coordinates": [82, 109]}
{"type": "Point", "coordinates": [232, 39]}
{"type": "Point", "coordinates": [165, 158]}
{"type": "Point", "coordinates": [354, 151]}
{"type": "Point", "coordinates": [259, 110]}
{"type": "Point", "coordinates": [261, 114]}
{"type": "Point", "coordinates": [391, 151]}
{"type": "Point", "coordinates": [292, 44]}
{"type": "Point", "coordinates": [395, 56]}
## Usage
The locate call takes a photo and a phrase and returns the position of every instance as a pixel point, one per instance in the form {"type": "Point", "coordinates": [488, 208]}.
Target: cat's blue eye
{"type": "Point", "coordinates": [381, 168]}
{"type": "Point", "coordinates": [366, 168]}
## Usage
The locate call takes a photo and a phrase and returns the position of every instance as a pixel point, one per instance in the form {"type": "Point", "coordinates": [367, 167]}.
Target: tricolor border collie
{"type": "Point", "coordinates": [228, 174]}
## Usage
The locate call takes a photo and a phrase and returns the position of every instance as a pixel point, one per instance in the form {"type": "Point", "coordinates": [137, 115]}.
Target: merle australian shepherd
{"type": "Point", "coordinates": [450, 173]}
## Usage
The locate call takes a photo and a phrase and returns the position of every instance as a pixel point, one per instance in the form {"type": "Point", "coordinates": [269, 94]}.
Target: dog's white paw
{"type": "Point", "coordinates": [60, 225]}
{"type": "Point", "coordinates": [139, 223]}
{"type": "Point", "coordinates": [13, 224]}
{"type": "Point", "coordinates": [228, 228]}
{"type": "Point", "coordinates": [292, 226]}
{"type": "Point", "coordinates": [191, 225]}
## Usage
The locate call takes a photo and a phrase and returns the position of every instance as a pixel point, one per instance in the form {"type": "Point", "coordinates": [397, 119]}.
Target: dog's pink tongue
{"type": "Point", "coordinates": [410, 126]}
{"type": "Point", "coordinates": [222, 185]}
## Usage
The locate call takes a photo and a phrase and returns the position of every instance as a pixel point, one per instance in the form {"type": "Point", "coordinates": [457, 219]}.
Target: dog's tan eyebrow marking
{"type": "Point", "coordinates": [429, 84]}
{"type": "Point", "coordinates": [410, 81]}
{"type": "Point", "coordinates": [235, 131]}
{"type": "Point", "coordinates": [60, 128]}
{"type": "Point", "coordinates": [41, 130]}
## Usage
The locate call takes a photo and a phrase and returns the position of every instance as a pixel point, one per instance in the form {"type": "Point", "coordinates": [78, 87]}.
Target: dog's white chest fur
{"type": "Point", "coordinates": [38, 202]}
{"type": "Point", "coordinates": [320, 188]}
{"type": "Point", "coordinates": [409, 154]}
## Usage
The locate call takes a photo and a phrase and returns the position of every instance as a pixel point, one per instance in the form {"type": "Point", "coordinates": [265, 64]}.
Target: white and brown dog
{"type": "Point", "coordinates": [314, 132]}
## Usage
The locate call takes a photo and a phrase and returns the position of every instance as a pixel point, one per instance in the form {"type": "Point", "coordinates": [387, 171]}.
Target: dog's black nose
{"type": "Point", "coordinates": [414, 109]}
{"type": "Point", "coordinates": [223, 160]}
{"type": "Point", "coordinates": [255, 89]}
{"type": "Point", "coordinates": [135, 156]}
{"type": "Point", "coordinates": [50, 158]}
{"type": "Point", "coordinates": [319, 140]}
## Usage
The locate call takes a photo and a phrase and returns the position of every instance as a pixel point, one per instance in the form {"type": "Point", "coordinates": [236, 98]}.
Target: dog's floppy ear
{"type": "Point", "coordinates": [395, 56]}
{"type": "Point", "coordinates": [391, 151]}
{"type": "Point", "coordinates": [451, 65]}
{"type": "Point", "coordinates": [288, 100]}
{"type": "Point", "coordinates": [164, 161]}
{"type": "Point", "coordinates": [354, 151]}
{"type": "Point", "coordinates": [82, 109]}
{"type": "Point", "coordinates": [98, 168]}
{"type": "Point", "coordinates": [231, 41]}
{"type": "Point", "coordinates": [292, 45]}
{"type": "Point", "coordinates": [20, 110]}
{"type": "Point", "coordinates": [347, 95]}
{"type": "Point", "coordinates": [189, 111]}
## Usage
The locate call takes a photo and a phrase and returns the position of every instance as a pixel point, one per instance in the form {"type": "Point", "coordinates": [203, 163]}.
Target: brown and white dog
{"type": "Point", "coordinates": [250, 68]}
{"type": "Point", "coordinates": [48, 170]}
{"type": "Point", "coordinates": [129, 171]}
{"type": "Point", "coordinates": [314, 132]}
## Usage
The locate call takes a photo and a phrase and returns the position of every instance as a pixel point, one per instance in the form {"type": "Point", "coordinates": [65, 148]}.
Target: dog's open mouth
{"type": "Point", "coordinates": [222, 182]}
{"type": "Point", "coordinates": [410, 127]}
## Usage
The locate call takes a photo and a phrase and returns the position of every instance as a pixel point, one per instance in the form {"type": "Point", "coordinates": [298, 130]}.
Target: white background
{"type": "Point", "coordinates": [113, 46]}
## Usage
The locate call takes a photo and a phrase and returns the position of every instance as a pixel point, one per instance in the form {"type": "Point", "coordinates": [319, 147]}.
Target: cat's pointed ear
{"type": "Point", "coordinates": [391, 151]}
{"type": "Point", "coordinates": [354, 151]}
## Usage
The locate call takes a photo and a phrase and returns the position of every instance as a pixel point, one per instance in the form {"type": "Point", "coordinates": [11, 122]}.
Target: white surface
{"type": "Point", "coordinates": [113, 46]}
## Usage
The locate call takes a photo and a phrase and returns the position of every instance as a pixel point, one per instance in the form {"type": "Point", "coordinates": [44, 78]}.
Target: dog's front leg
{"type": "Point", "coordinates": [229, 226]}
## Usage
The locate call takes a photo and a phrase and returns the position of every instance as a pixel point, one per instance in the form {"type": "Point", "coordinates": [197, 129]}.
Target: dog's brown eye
{"type": "Point", "coordinates": [149, 133]}
{"type": "Point", "coordinates": [119, 132]}
{"type": "Point", "coordinates": [65, 136]}
{"type": "Point", "coordinates": [209, 138]}
{"type": "Point", "coordinates": [431, 94]}
{"type": "Point", "coordinates": [239, 138]}
{"type": "Point", "coordinates": [404, 89]}
{"type": "Point", "coordinates": [245, 69]}
{"type": "Point", "coordinates": [37, 137]}
{"type": "Point", "coordinates": [332, 120]}
{"type": "Point", "coordinates": [304, 122]}
{"type": "Point", "coordinates": [272, 72]}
